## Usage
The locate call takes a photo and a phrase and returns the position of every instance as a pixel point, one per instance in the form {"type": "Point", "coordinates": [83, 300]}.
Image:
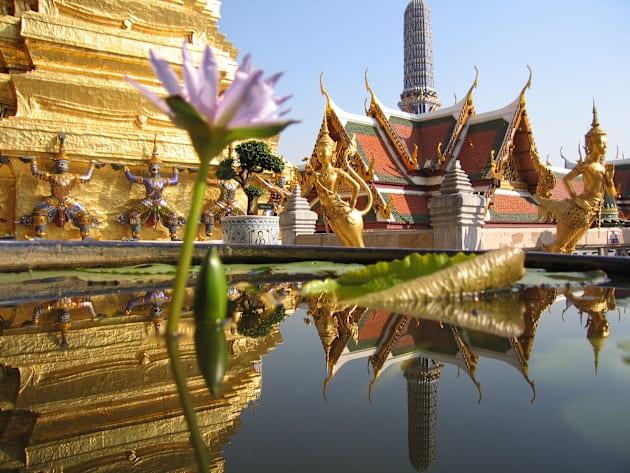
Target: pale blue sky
{"type": "Point", "coordinates": [578, 50]}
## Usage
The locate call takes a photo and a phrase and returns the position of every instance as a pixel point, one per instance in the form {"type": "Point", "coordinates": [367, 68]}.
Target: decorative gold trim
{"type": "Point", "coordinates": [410, 161]}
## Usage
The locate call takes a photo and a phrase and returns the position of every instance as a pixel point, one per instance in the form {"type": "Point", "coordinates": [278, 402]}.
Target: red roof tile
{"type": "Point", "coordinates": [480, 140]}
{"type": "Point", "coordinates": [426, 135]}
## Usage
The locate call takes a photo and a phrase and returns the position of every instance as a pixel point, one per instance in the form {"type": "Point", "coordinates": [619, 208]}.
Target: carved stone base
{"type": "Point", "coordinates": [251, 229]}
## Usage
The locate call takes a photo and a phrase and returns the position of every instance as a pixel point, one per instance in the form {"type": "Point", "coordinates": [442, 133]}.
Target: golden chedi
{"type": "Point", "coordinates": [62, 70]}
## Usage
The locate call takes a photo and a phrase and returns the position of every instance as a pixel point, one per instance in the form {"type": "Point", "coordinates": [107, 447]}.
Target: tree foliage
{"type": "Point", "coordinates": [254, 157]}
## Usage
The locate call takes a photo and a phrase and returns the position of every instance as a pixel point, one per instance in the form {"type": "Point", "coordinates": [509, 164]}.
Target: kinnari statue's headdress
{"type": "Point", "coordinates": [595, 130]}
{"type": "Point", "coordinates": [324, 136]}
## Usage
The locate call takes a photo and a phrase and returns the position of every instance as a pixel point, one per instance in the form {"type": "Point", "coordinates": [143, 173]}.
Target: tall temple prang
{"type": "Point", "coordinates": [419, 94]}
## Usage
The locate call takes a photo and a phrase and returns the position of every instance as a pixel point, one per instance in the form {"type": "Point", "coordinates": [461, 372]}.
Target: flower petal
{"type": "Point", "coordinates": [157, 101]}
{"type": "Point", "coordinates": [208, 77]}
{"type": "Point", "coordinates": [191, 81]}
{"type": "Point", "coordinates": [235, 98]}
{"type": "Point", "coordinates": [261, 130]}
{"type": "Point", "coordinates": [166, 75]}
{"type": "Point", "coordinates": [247, 109]}
{"type": "Point", "coordinates": [258, 105]}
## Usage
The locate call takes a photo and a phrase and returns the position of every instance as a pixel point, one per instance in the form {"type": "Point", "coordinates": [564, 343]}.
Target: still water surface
{"type": "Point", "coordinates": [577, 421]}
{"type": "Point", "coordinates": [445, 398]}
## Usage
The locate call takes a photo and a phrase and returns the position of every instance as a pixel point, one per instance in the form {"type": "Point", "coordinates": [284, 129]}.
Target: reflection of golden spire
{"type": "Point", "coordinates": [596, 302]}
{"type": "Point", "coordinates": [597, 332]}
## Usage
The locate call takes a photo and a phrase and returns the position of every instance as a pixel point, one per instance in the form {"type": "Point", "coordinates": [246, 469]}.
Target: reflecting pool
{"type": "Point", "coordinates": [85, 385]}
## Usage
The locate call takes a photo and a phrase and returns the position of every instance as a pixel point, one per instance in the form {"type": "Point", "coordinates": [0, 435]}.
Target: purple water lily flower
{"type": "Point", "coordinates": [247, 109]}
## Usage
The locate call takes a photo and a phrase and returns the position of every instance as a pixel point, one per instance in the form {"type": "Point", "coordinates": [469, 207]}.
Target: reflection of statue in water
{"type": "Point", "coordinates": [576, 214]}
{"type": "Point", "coordinates": [153, 208]}
{"type": "Point", "coordinates": [337, 326]}
{"type": "Point", "coordinates": [62, 308]}
{"type": "Point", "coordinates": [340, 215]}
{"type": "Point", "coordinates": [278, 194]}
{"type": "Point", "coordinates": [226, 205]}
{"type": "Point", "coordinates": [596, 301]}
{"type": "Point", "coordinates": [157, 300]}
{"type": "Point", "coordinates": [60, 206]}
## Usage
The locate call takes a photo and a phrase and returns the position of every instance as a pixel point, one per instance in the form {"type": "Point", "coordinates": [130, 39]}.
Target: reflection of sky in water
{"type": "Point", "coordinates": [577, 423]}
{"type": "Point", "coordinates": [596, 411]}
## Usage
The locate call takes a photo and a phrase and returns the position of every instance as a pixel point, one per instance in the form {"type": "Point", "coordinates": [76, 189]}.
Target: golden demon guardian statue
{"type": "Point", "coordinates": [60, 206]}
{"type": "Point", "coordinates": [153, 209]}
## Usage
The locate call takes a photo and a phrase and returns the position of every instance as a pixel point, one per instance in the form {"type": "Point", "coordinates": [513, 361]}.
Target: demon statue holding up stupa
{"type": "Point", "coordinates": [153, 209]}
{"type": "Point", "coordinates": [60, 206]}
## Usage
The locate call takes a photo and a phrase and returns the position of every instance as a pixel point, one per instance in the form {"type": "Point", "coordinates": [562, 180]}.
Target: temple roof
{"type": "Point", "coordinates": [404, 155]}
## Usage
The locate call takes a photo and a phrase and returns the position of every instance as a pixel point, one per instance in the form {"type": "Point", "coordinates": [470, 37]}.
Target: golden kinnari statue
{"type": "Point", "coordinates": [575, 215]}
{"type": "Point", "coordinates": [341, 215]}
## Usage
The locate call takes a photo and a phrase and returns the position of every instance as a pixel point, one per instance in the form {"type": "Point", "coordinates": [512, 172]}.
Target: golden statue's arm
{"type": "Point", "coordinates": [609, 182]}
{"type": "Point", "coordinates": [568, 180]}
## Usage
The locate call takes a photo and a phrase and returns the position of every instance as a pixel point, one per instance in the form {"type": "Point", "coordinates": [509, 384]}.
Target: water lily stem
{"type": "Point", "coordinates": [179, 290]}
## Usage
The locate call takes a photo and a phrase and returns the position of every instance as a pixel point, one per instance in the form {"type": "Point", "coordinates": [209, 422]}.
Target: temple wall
{"type": "Point", "coordinates": [63, 69]}
{"type": "Point", "coordinates": [529, 238]}
{"type": "Point", "coordinates": [105, 196]}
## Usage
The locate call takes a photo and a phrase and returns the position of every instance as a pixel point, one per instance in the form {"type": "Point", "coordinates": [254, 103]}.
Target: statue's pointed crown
{"type": "Point", "coordinates": [61, 154]}
{"type": "Point", "coordinates": [155, 155]}
{"type": "Point", "coordinates": [324, 136]}
{"type": "Point", "coordinates": [595, 129]}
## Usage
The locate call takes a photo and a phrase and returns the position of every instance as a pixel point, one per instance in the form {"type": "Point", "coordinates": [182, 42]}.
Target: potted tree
{"type": "Point", "coordinates": [254, 158]}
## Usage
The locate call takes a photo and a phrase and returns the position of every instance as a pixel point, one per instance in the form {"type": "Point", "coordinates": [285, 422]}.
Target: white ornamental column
{"type": "Point", "coordinates": [457, 214]}
{"type": "Point", "coordinates": [298, 218]}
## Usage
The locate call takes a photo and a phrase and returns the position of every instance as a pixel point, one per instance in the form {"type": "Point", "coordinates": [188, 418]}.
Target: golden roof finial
{"type": "Point", "coordinates": [469, 97]}
{"type": "Point", "coordinates": [323, 90]}
{"type": "Point", "coordinates": [369, 89]}
{"type": "Point", "coordinates": [527, 85]}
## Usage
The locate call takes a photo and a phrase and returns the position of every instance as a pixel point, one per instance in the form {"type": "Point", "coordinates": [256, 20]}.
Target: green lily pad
{"type": "Point", "coordinates": [424, 277]}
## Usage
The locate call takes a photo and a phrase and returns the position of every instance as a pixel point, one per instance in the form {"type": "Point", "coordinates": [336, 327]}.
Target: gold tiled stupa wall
{"type": "Point", "coordinates": [62, 69]}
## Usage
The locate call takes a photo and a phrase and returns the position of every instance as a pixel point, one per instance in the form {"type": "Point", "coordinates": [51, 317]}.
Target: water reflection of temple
{"type": "Point", "coordinates": [107, 402]}
{"type": "Point", "coordinates": [422, 347]}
